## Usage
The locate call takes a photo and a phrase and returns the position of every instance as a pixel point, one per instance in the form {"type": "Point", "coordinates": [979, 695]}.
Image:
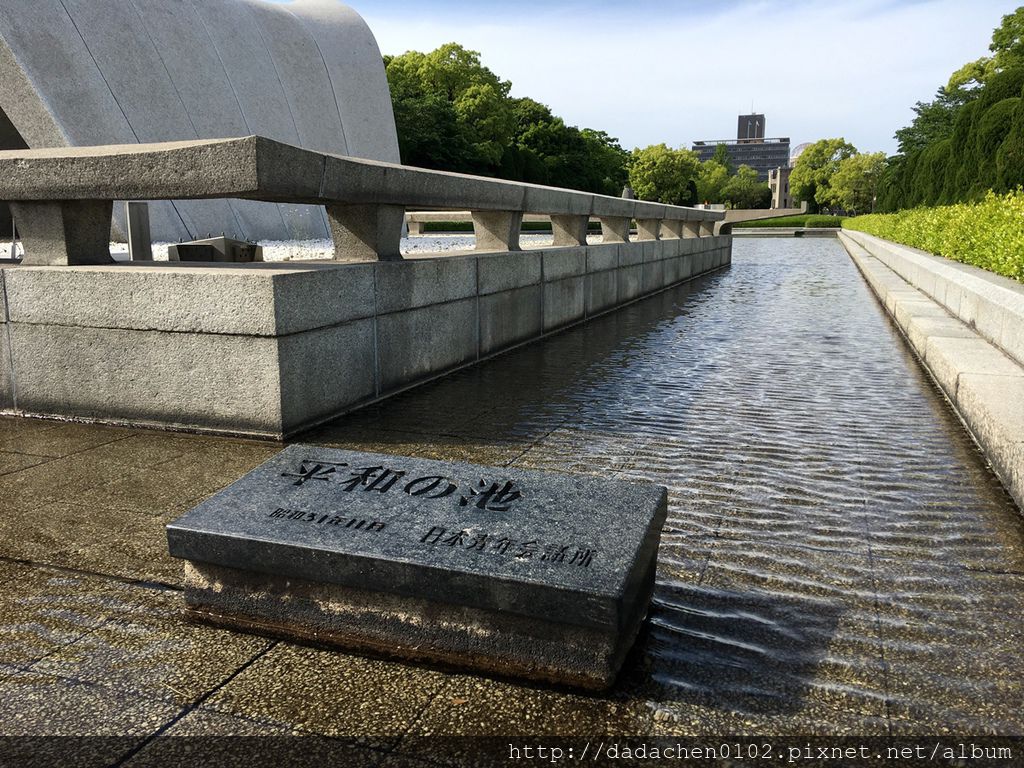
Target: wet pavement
{"type": "Point", "coordinates": [838, 559]}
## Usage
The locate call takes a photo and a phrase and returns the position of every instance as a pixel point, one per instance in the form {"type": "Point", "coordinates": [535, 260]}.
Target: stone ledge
{"type": "Point", "coordinates": [983, 383]}
{"type": "Point", "coordinates": [990, 304]}
{"type": "Point", "coordinates": [270, 350]}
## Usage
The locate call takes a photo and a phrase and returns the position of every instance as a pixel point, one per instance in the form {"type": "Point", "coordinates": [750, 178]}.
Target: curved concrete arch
{"type": "Point", "coordinates": [81, 72]}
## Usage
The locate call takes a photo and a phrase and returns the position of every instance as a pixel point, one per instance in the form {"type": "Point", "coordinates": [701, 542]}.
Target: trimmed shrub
{"type": "Point", "coordinates": [989, 135]}
{"type": "Point", "coordinates": [988, 234]}
{"type": "Point", "coordinates": [823, 221]}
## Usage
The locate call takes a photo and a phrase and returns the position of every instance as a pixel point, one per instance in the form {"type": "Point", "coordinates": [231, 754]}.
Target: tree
{"type": "Point", "coordinates": [1007, 49]}
{"type": "Point", "coordinates": [854, 186]}
{"type": "Point", "coordinates": [454, 114]}
{"type": "Point", "coordinates": [450, 110]}
{"type": "Point", "coordinates": [712, 176]}
{"type": "Point", "coordinates": [723, 158]}
{"type": "Point", "coordinates": [815, 168]}
{"type": "Point", "coordinates": [746, 190]}
{"type": "Point", "coordinates": [664, 175]}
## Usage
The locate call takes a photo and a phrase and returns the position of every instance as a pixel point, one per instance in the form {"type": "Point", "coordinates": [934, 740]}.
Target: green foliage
{"type": "Point", "coordinates": [745, 190]}
{"type": "Point", "coordinates": [992, 130]}
{"type": "Point", "coordinates": [1010, 157]}
{"type": "Point", "coordinates": [800, 220]}
{"type": "Point", "coordinates": [1007, 49]}
{"type": "Point", "coordinates": [969, 139]}
{"type": "Point", "coordinates": [665, 175]}
{"type": "Point", "coordinates": [454, 114]}
{"type": "Point", "coordinates": [854, 185]}
{"type": "Point", "coordinates": [814, 169]}
{"type": "Point", "coordinates": [988, 234]}
{"type": "Point", "coordinates": [712, 177]}
{"type": "Point", "coordinates": [723, 158]}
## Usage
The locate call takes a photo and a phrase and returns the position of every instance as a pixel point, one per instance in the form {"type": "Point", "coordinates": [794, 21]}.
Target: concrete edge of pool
{"type": "Point", "coordinates": [967, 331]}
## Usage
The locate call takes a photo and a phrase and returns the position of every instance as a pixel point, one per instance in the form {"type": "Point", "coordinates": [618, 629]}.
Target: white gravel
{"type": "Point", "coordinates": [307, 250]}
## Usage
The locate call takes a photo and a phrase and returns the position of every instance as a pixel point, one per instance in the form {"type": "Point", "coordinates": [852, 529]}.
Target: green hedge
{"type": "Point", "coordinates": [801, 220]}
{"type": "Point", "coordinates": [988, 234]}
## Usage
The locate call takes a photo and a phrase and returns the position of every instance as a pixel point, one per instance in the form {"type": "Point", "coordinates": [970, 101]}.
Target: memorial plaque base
{"type": "Point", "coordinates": [503, 570]}
{"type": "Point", "coordinates": [409, 628]}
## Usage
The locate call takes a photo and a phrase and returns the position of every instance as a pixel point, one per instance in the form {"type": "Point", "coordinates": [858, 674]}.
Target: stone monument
{"type": "Point", "coordinates": [97, 72]}
{"type": "Point", "coordinates": [508, 571]}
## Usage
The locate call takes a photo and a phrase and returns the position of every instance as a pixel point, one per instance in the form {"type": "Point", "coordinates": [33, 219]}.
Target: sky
{"type": "Point", "coordinates": [650, 72]}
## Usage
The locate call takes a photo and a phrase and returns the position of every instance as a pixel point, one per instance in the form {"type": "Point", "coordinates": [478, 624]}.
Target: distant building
{"type": "Point", "coordinates": [750, 147]}
{"type": "Point", "coordinates": [778, 181]}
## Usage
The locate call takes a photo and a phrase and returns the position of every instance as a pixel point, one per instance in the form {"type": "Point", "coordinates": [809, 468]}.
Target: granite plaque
{"type": "Point", "coordinates": [506, 570]}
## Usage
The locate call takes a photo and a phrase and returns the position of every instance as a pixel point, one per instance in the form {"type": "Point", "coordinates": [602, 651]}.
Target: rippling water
{"type": "Point", "coordinates": [837, 553]}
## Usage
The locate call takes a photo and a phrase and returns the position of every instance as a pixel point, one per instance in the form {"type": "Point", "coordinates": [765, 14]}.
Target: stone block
{"type": "Point", "coordinates": [366, 232]}
{"type": "Point", "coordinates": [630, 282]}
{"type": "Point", "coordinates": [420, 343]}
{"type": "Point", "coordinates": [553, 200]}
{"type": "Point", "coordinates": [564, 262]}
{"type": "Point", "coordinates": [6, 385]}
{"type": "Point", "coordinates": [569, 231]}
{"type": "Point", "coordinates": [949, 357]}
{"type": "Point", "coordinates": [509, 317]}
{"type": "Point", "coordinates": [653, 276]}
{"type": "Point", "coordinates": [922, 328]}
{"type": "Point", "coordinates": [564, 302]}
{"type": "Point", "coordinates": [257, 299]}
{"type": "Point", "coordinates": [605, 207]}
{"type": "Point", "coordinates": [505, 271]}
{"type": "Point", "coordinates": [501, 570]}
{"type": "Point", "coordinates": [602, 257]}
{"type": "Point", "coordinates": [149, 377]}
{"type": "Point", "coordinates": [68, 232]}
{"type": "Point", "coordinates": [601, 291]}
{"type": "Point", "coordinates": [649, 211]}
{"type": "Point", "coordinates": [413, 283]}
{"type": "Point", "coordinates": [650, 250]}
{"type": "Point", "coordinates": [348, 179]}
{"type": "Point", "coordinates": [631, 254]}
{"type": "Point", "coordinates": [497, 230]}
{"type": "Point", "coordinates": [686, 266]}
{"type": "Point", "coordinates": [907, 309]}
{"type": "Point", "coordinates": [325, 372]}
{"type": "Point", "coordinates": [672, 267]}
{"type": "Point", "coordinates": [993, 407]}
{"type": "Point", "coordinates": [614, 230]}
{"type": "Point", "coordinates": [648, 229]}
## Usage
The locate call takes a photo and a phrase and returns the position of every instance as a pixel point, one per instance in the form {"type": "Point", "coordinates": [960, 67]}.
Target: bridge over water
{"type": "Point", "coordinates": [838, 557]}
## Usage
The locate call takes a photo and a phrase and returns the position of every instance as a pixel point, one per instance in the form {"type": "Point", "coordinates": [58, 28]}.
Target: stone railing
{"type": "Point", "coordinates": [62, 198]}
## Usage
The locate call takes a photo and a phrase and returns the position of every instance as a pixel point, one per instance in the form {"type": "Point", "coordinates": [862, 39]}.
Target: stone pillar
{"type": "Point", "coordinates": [366, 232]}
{"type": "Point", "coordinates": [415, 227]}
{"type": "Point", "coordinates": [497, 230]}
{"type": "Point", "coordinates": [65, 232]}
{"type": "Point", "coordinates": [647, 229]}
{"type": "Point", "coordinates": [569, 230]}
{"type": "Point", "coordinates": [671, 229]}
{"type": "Point", "coordinates": [707, 228]}
{"type": "Point", "coordinates": [691, 229]}
{"type": "Point", "coordinates": [614, 229]}
{"type": "Point", "coordinates": [140, 242]}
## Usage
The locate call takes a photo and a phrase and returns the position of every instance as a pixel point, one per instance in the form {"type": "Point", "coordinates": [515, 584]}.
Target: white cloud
{"type": "Point", "coordinates": [655, 72]}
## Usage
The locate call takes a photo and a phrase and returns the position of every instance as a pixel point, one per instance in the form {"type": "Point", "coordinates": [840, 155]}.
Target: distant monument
{"type": "Point", "coordinates": [750, 147]}
{"type": "Point", "coordinates": [92, 72]}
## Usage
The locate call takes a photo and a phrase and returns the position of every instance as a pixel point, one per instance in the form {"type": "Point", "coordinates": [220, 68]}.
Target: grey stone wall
{"type": "Point", "coordinates": [93, 72]}
{"type": "Point", "coordinates": [269, 349]}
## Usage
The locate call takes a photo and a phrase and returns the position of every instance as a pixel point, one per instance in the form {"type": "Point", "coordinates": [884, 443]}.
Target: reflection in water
{"type": "Point", "coordinates": [836, 549]}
